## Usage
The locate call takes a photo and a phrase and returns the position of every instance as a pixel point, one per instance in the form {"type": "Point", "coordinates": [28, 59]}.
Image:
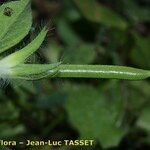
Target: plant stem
{"type": "Point", "coordinates": [101, 71]}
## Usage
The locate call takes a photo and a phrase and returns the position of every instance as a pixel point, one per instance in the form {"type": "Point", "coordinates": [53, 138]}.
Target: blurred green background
{"type": "Point", "coordinates": [115, 113]}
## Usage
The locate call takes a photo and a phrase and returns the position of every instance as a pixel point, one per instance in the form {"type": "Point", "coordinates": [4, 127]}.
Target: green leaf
{"type": "Point", "coordinates": [67, 34]}
{"type": "Point", "coordinates": [94, 114]}
{"type": "Point", "coordinates": [15, 27]}
{"type": "Point", "coordinates": [52, 51]}
{"type": "Point", "coordinates": [7, 131]}
{"type": "Point", "coordinates": [21, 55]}
{"type": "Point", "coordinates": [141, 52]}
{"type": "Point", "coordinates": [144, 119]}
{"type": "Point", "coordinates": [95, 12]}
{"type": "Point", "coordinates": [139, 94]}
{"type": "Point", "coordinates": [11, 109]}
{"type": "Point", "coordinates": [82, 54]}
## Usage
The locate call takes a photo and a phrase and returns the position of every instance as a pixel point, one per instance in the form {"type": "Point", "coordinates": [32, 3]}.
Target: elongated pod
{"type": "Point", "coordinates": [37, 71]}
{"type": "Point", "coordinates": [101, 71]}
